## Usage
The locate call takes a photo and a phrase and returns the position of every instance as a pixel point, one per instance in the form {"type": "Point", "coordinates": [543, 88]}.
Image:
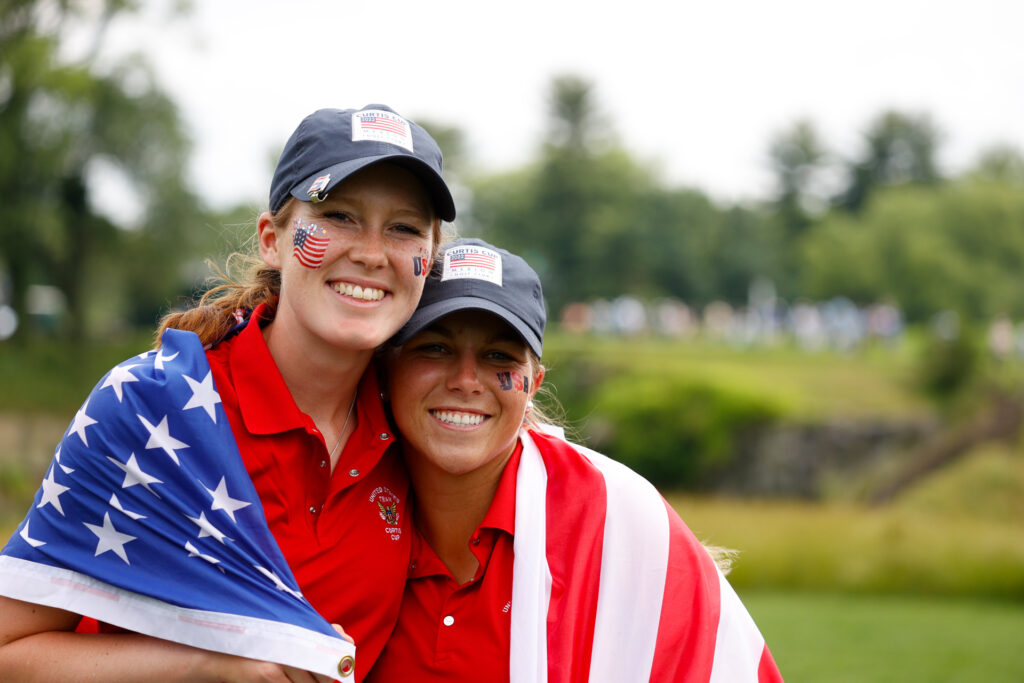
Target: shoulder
{"type": "Point", "coordinates": [631, 502]}
{"type": "Point", "coordinates": [559, 454]}
{"type": "Point", "coordinates": [158, 393]}
{"type": "Point", "coordinates": [176, 368]}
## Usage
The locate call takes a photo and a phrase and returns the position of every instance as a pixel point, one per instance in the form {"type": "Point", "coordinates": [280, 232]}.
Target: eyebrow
{"type": "Point", "coordinates": [351, 202]}
{"type": "Point", "coordinates": [507, 334]}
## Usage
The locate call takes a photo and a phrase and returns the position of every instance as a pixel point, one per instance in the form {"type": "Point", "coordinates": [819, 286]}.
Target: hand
{"type": "Point", "coordinates": [341, 632]}
{"type": "Point", "coordinates": [232, 669]}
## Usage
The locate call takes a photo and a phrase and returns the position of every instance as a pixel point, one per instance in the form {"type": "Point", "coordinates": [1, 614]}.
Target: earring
{"type": "Point", "coordinates": [529, 409]}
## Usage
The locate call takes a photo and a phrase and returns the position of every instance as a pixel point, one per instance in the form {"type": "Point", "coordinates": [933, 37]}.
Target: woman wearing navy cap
{"type": "Point", "coordinates": [535, 559]}
{"type": "Point", "coordinates": [355, 212]}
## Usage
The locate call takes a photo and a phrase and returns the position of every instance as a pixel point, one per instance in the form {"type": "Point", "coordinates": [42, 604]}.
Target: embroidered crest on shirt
{"type": "Point", "coordinates": [387, 507]}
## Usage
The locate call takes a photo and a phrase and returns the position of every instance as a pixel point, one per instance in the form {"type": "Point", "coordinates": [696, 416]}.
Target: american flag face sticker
{"type": "Point", "coordinates": [310, 243]}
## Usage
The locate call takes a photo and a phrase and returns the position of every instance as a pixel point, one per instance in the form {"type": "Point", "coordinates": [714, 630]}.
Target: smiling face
{"type": "Point", "coordinates": [349, 275]}
{"type": "Point", "coordinates": [459, 391]}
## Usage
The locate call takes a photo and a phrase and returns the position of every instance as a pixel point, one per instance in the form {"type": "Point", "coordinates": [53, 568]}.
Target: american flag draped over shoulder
{"type": "Point", "coordinates": [148, 520]}
{"type": "Point", "coordinates": [610, 585]}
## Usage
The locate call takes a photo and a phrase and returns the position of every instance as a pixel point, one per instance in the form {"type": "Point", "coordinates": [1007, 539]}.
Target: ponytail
{"type": "Point", "coordinates": [231, 299]}
{"type": "Point", "coordinates": [228, 301]}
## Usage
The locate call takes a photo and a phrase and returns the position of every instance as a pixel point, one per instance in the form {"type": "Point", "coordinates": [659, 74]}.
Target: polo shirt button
{"type": "Point", "coordinates": [449, 620]}
{"type": "Point", "coordinates": [384, 436]}
{"type": "Point", "coordinates": [353, 472]}
{"type": "Point", "coordinates": [312, 509]}
{"type": "Point", "coordinates": [323, 463]}
{"type": "Point", "coordinates": [476, 540]}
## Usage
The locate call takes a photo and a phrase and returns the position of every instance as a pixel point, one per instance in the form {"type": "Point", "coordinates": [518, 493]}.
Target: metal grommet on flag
{"type": "Point", "coordinates": [346, 666]}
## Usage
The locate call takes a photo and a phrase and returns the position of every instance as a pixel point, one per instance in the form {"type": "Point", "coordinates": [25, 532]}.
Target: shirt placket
{"type": "Point", "coordinates": [319, 477]}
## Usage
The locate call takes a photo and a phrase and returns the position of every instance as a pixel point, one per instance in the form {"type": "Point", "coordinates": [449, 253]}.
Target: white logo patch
{"type": "Point", "coordinates": [471, 261]}
{"type": "Point", "coordinates": [381, 126]}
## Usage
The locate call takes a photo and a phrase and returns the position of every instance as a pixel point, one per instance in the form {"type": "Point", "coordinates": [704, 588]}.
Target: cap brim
{"type": "Point", "coordinates": [431, 313]}
{"type": "Point", "coordinates": [434, 183]}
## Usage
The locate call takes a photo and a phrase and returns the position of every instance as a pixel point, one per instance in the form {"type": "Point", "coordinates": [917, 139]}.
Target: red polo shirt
{"type": "Point", "coordinates": [447, 632]}
{"type": "Point", "coordinates": [344, 533]}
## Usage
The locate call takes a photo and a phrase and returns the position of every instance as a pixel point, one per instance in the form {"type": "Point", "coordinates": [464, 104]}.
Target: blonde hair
{"type": "Point", "coordinates": [546, 409]}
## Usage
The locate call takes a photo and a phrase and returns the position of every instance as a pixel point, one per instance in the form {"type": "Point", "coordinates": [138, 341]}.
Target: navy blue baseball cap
{"type": "Point", "coordinates": [472, 274]}
{"type": "Point", "coordinates": [332, 144]}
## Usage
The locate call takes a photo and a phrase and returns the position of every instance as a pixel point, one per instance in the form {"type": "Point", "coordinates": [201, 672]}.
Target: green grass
{"type": "Point", "coordinates": [849, 548]}
{"type": "Point", "coordinates": [46, 376]}
{"type": "Point", "coordinates": [870, 382]}
{"type": "Point", "coordinates": [986, 484]}
{"type": "Point", "coordinates": [836, 638]}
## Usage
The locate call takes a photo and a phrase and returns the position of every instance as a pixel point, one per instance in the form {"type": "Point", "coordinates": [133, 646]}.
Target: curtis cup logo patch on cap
{"type": "Point", "coordinates": [476, 262]}
{"type": "Point", "coordinates": [317, 187]}
{"type": "Point", "coordinates": [381, 126]}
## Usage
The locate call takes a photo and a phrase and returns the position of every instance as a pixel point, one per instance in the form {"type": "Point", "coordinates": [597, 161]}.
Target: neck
{"type": "Point", "coordinates": [323, 380]}
{"type": "Point", "coordinates": [450, 507]}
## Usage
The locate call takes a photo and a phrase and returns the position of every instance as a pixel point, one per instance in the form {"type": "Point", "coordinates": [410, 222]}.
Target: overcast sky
{"type": "Point", "coordinates": [696, 88]}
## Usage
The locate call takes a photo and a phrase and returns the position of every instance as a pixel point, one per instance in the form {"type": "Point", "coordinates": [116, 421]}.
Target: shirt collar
{"type": "Point", "coordinates": [266, 404]}
{"type": "Point", "coordinates": [501, 514]}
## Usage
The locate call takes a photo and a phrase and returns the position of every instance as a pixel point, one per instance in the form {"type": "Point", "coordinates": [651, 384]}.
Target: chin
{"type": "Point", "coordinates": [359, 341]}
{"type": "Point", "coordinates": [455, 465]}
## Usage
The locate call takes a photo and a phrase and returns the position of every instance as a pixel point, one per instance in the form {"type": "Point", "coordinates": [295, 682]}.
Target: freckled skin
{"type": "Point", "coordinates": [375, 222]}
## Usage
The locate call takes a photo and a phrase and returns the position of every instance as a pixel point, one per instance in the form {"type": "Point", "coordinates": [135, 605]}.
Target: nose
{"type": "Point", "coordinates": [464, 377]}
{"type": "Point", "coordinates": [369, 249]}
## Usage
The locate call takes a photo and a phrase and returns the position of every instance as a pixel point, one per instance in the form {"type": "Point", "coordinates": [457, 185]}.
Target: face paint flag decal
{"type": "Point", "coordinates": [148, 520]}
{"type": "Point", "coordinates": [310, 243]}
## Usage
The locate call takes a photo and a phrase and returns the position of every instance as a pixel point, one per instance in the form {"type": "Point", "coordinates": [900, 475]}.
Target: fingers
{"type": "Point", "coordinates": [341, 632]}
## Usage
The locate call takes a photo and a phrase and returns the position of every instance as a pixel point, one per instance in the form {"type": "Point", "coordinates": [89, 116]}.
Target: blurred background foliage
{"type": "Point", "coordinates": [884, 465]}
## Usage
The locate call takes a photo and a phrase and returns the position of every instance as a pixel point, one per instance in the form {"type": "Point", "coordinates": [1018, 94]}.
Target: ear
{"type": "Point", "coordinates": [271, 244]}
{"type": "Point", "coordinates": [538, 377]}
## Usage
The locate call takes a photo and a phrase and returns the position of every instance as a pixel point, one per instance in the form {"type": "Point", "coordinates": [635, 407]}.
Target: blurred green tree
{"type": "Point", "coordinates": [960, 249]}
{"type": "Point", "coordinates": [798, 159]}
{"type": "Point", "coordinates": [1000, 163]}
{"type": "Point", "coordinates": [899, 148]}
{"type": "Point", "coordinates": [65, 127]}
{"type": "Point", "coordinates": [574, 214]}
{"type": "Point", "coordinates": [597, 223]}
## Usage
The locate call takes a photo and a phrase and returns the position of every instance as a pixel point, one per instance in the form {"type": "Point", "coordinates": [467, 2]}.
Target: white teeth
{"type": "Point", "coordinates": [457, 418]}
{"type": "Point", "coordinates": [357, 292]}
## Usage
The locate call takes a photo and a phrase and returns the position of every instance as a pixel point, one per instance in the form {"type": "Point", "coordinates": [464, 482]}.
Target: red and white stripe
{"type": "Point", "coordinates": [610, 585]}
